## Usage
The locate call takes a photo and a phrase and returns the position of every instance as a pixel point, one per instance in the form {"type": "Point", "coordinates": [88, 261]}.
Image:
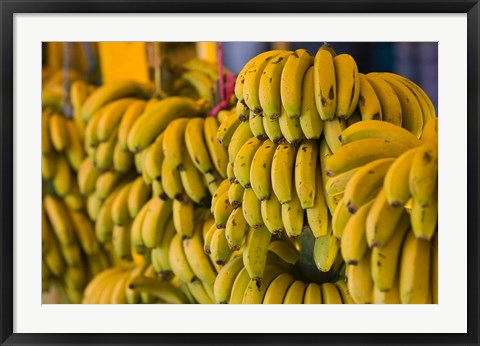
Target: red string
{"type": "Point", "coordinates": [226, 91]}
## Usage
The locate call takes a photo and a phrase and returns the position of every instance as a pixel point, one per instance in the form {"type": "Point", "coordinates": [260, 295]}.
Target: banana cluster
{"type": "Point", "coordinates": [71, 254]}
{"type": "Point", "coordinates": [386, 215]}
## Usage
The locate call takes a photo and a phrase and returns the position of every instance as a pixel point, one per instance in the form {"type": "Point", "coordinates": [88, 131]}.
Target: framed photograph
{"type": "Point", "coordinates": [239, 172]}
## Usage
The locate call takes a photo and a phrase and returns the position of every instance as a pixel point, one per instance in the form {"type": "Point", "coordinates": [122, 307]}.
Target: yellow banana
{"type": "Point", "coordinates": [317, 215]}
{"type": "Point", "coordinates": [57, 129]}
{"type": "Point", "coordinates": [260, 170]}
{"type": "Point", "coordinates": [104, 153]}
{"type": "Point", "coordinates": [255, 291]}
{"type": "Point", "coordinates": [154, 221]}
{"type": "Point", "coordinates": [325, 251]}
{"type": "Point", "coordinates": [196, 257]}
{"type": "Point", "coordinates": [173, 143]}
{"type": "Point", "coordinates": [282, 171]}
{"type": "Point", "coordinates": [256, 125]}
{"type": "Point", "coordinates": [424, 217]}
{"type": "Point", "coordinates": [414, 270]}
{"type": "Point", "coordinates": [360, 152]}
{"type": "Point", "coordinates": [171, 181]}
{"type": "Point", "coordinates": [49, 166]}
{"type": "Point", "coordinates": [224, 186]}
{"type": "Point", "coordinates": [93, 205]}
{"type": "Point", "coordinates": [342, 288]}
{"type": "Point", "coordinates": [106, 182]}
{"type": "Point", "coordinates": [305, 173]}
{"type": "Point", "coordinates": [310, 121]}
{"type": "Point", "coordinates": [57, 214]}
{"type": "Point", "coordinates": [218, 154]}
{"type": "Point", "coordinates": [292, 216]}
{"type": "Point", "coordinates": [222, 210]}
{"type": "Point", "coordinates": [389, 102]}
{"type": "Point", "coordinates": [285, 250]}
{"type": "Point", "coordinates": [74, 151]}
{"type": "Point", "coordinates": [138, 195]}
{"type": "Point", "coordinates": [381, 221]}
{"type": "Point", "coordinates": [332, 130]}
{"type": "Point", "coordinates": [251, 207]}
{"type": "Point", "coordinates": [363, 186]}
{"type": "Point", "coordinates": [219, 250]}
{"type": "Point", "coordinates": [291, 81]}
{"type": "Point", "coordinates": [111, 117]}
{"type": "Point", "coordinates": [196, 145]}
{"type": "Point", "coordinates": [154, 157]}
{"type": "Point", "coordinates": [239, 137]}
{"type": "Point", "coordinates": [243, 161]}
{"type": "Point", "coordinates": [354, 241]}
{"type": "Point", "coordinates": [151, 123]}
{"type": "Point", "coordinates": [368, 103]}
{"type": "Point", "coordinates": [133, 111]}
{"type": "Point", "coordinates": [385, 259]}
{"type": "Point", "coordinates": [121, 241]}
{"type": "Point", "coordinates": [272, 130]}
{"type": "Point", "coordinates": [84, 232]}
{"type": "Point", "coordinates": [159, 288]}
{"type": "Point", "coordinates": [192, 181]}
{"type": "Point", "coordinates": [183, 217]}
{"type": "Point", "coordinates": [330, 294]}
{"type": "Point", "coordinates": [235, 194]}
{"type": "Point", "coordinates": [103, 222]}
{"type": "Point", "coordinates": [340, 218]}
{"type": "Point", "coordinates": [269, 87]}
{"type": "Point", "coordinates": [255, 253]}
{"type": "Point", "coordinates": [360, 283]}
{"type": "Point", "coordinates": [178, 260]}
{"type": "Point", "coordinates": [271, 211]}
{"type": "Point", "coordinates": [64, 179]}
{"type": "Point", "coordinates": [348, 85]}
{"type": "Point", "coordinates": [412, 118]}
{"type": "Point", "coordinates": [424, 171]}
{"type": "Point", "coordinates": [239, 286]}
{"type": "Point", "coordinates": [111, 92]}
{"type": "Point", "coordinates": [277, 289]}
{"type": "Point", "coordinates": [325, 84]}
{"type": "Point", "coordinates": [200, 82]}
{"type": "Point", "coordinates": [290, 127]}
{"type": "Point", "coordinates": [236, 229]}
{"type": "Point", "coordinates": [295, 293]}
{"type": "Point", "coordinates": [396, 182]}
{"type": "Point", "coordinates": [391, 296]}
{"type": "Point", "coordinates": [240, 80]}
{"type": "Point", "coordinates": [161, 252]}
{"type": "Point", "coordinates": [313, 294]}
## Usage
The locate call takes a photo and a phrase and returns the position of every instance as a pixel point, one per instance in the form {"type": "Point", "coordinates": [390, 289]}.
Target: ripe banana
{"type": "Point", "coordinates": [368, 103]}
{"type": "Point", "coordinates": [424, 171]}
{"type": "Point", "coordinates": [389, 102]}
{"type": "Point", "coordinates": [330, 294]}
{"type": "Point", "coordinates": [57, 129]}
{"type": "Point", "coordinates": [64, 179]}
{"type": "Point", "coordinates": [243, 161]}
{"type": "Point", "coordinates": [235, 194]}
{"type": "Point", "coordinates": [192, 181]}
{"type": "Point", "coordinates": [414, 270]}
{"type": "Point", "coordinates": [239, 137]}
{"type": "Point", "coordinates": [340, 218]}
{"type": "Point", "coordinates": [132, 112]}
{"type": "Point", "coordinates": [360, 283]}
{"type": "Point", "coordinates": [106, 182]}
{"type": "Point", "coordinates": [291, 81]}
{"type": "Point", "coordinates": [121, 242]}
{"type": "Point", "coordinates": [290, 127]}
{"type": "Point", "coordinates": [313, 294]}
{"type": "Point", "coordinates": [295, 293]}
{"type": "Point", "coordinates": [111, 117]}
{"type": "Point", "coordinates": [358, 153]}
{"type": "Point", "coordinates": [354, 241]}
{"type": "Point", "coordinates": [292, 216]}
{"type": "Point", "coordinates": [269, 87]}
{"type": "Point", "coordinates": [224, 186]}
{"type": "Point", "coordinates": [183, 217]}
{"type": "Point", "coordinates": [424, 218]}
{"type": "Point", "coordinates": [363, 186]}
{"type": "Point", "coordinates": [227, 128]}
{"type": "Point", "coordinates": [342, 288]}
{"type": "Point", "coordinates": [196, 257]}
{"type": "Point", "coordinates": [251, 207]}
{"type": "Point", "coordinates": [412, 118]}
{"type": "Point", "coordinates": [348, 85]}
{"type": "Point", "coordinates": [152, 164]}
{"type": "Point", "coordinates": [277, 289]}
{"type": "Point", "coordinates": [256, 125]}
{"type": "Point", "coordinates": [74, 151]}
{"type": "Point", "coordinates": [178, 260]}
{"type": "Point", "coordinates": [285, 250]}
{"type": "Point", "coordinates": [173, 143]}
{"type": "Point", "coordinates": [220, 252]}
{"type": "Point", "coordinates": [138, 195]}
{"type": "Point", "coordinates": [171, 181]}
{"type": "Point", "coordinates": [218, 154]}
{"type": "Point", "coordinates": [84, 232]}
{"type": "Point", "coordinates": [236, 229]}
{"type": "Point", "coordinates": [104, 153]}
{"type": "Point", "coordinates": [255, 253]}
{"type": "Point", "coordinates": [222, 210]}
{"type": "Point", "coordinates": [332, 131]}
{"type": "Point", "coordinates": [310, 121]}
{"type": "Point", "coordinates": [385, 259]}
{"type": "Point", "coordinates": [225, 279]}
{"type": "Point", "coordinates": [57, 214]}
{"type": "Point", "coordinates": [111, 92]}
{"type": "Point", "coordinates": [154, 221]}
{"type": "Point", "coordinates": [282, 171]}
{"type": "Point", "coordinates": [255, 292]}
{"type": "Point", "coordinates": [396, 182]}
{"type": "Point", "coordinates": [260, 170]}
{"type": "Point", "coordinates": [151, 123]}
{"type": "Point", "coordinates": [317, 215]}
{"type": "Point", "coordinates": [381, 221]}
{"type": "Point", "coordinates": [272, 130]}
{"type": "Point", "coordinates": [239, 286]}
{"type": "Point", "coordinates": [271, 211]}
{"type": "Point", "coordinates": [325, 84]}
{"type": "Point", "coordinates": [305, 173]}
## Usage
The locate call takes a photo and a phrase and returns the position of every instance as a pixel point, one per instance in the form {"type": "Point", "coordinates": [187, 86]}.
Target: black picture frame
{"type": "Point", "coordinates": [10, 7]}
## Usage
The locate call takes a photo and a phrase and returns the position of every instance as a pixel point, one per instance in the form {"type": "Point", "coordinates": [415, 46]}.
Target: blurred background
{"type": "Point", "coordinates": [103, 62]}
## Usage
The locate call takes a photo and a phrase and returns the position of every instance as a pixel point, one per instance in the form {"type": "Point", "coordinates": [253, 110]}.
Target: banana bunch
{"type": "Point", "coordinates": [135, 284]}
{"type": "Point", "coordinates": [386, 216]}
{"type": "Point", "coordinates": [53, 92]}
{"type": "Point", "coordinates": [71, 254]}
